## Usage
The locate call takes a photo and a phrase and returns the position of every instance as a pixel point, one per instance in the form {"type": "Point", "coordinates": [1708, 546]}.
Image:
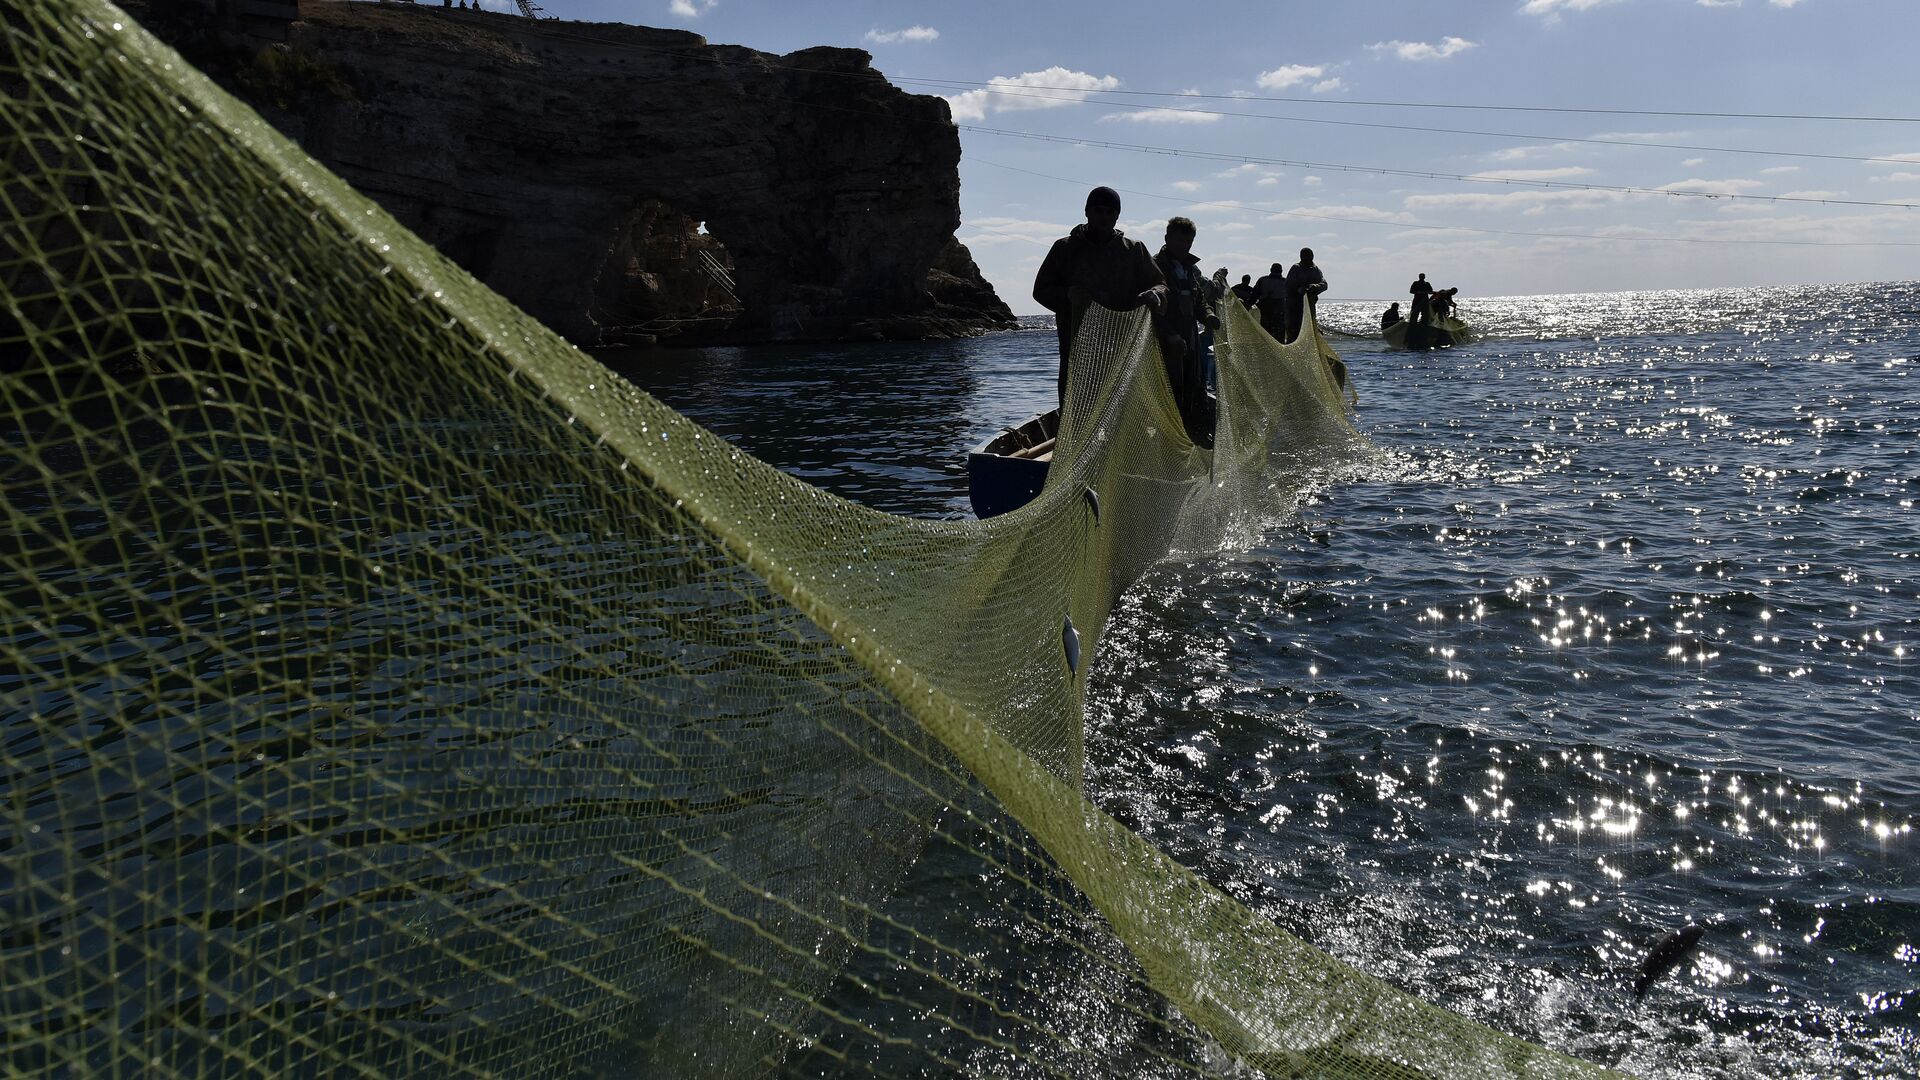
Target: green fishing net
{"type": "Point", "coordinates": [388, 689]}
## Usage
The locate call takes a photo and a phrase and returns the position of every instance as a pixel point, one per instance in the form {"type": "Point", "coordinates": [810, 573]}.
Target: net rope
{"type": "Point", "coordinates": [389, 689]}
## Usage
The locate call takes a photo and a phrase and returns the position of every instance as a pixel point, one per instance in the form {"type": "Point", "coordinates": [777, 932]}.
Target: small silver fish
{"type": "Point", "coordinates": [1672, 949]}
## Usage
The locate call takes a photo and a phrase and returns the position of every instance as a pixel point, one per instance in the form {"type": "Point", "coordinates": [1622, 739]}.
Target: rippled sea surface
{"type": "Point", "coordinates": [1624, 634]}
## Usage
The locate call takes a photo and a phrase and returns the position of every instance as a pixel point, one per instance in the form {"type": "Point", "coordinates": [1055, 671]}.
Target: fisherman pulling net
{"type": "Point", "coordinates": [390, 689]}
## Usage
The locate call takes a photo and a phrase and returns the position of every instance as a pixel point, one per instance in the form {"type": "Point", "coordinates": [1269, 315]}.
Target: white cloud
{"type": "Point", "coordinates": [1290, 75]}
{"type": "Point", "coordinates": [1368, 213]}
{"type": "Point", "coordinates": [911, 33]}
{"type": "Point", "coordinates": [1783, 3]}
{"type": "Point", "coordinates": [1328, 86]}
{"type": "Point", "coordinates": [1528, 202]}
{"type": "Point", "coordinates": [1899, 177]}
{"type": "Point", "coordinates": [1233, 226]}
{"type": "Point", "coordinates": [1005, 231]}
{"type": "Point", "coordinates": [1640, 136]}
{"type": "Point", "coordinates": [1311, 181]}
{"type": "Point", "coordinates": [1268, 181]}
{"type": "Point", "coordinates": [1184, 185]}
{"type": "Point", "coordinates": [1713, 187]}
{"type": "Point", "coordinates": [1893, 157]}
{"type": "Point", "coordinates": [1552, 8]}
{"type": "Point", "coordinates": [1534, 174]}
{"type": "Point", "coordinates": [1693, 161]}
{"type": "Point", "coordinates": [1813, 195]}
{"type": "Point", "coordinates": [691, 9]}
{"type": "Point", "coordinates": [1420, 50]}
{"type": "Point", "coordinates": [1775, 170]}
{"type": "Point", "coordinates": [977, 242]}
{"type": "Point", "coordinates": [1047, 89]}
{"type": "Point", "coordinates": [1163, 116]}
{"type": "Point", "coordinates": [1237, 170]}
{"type": "Point", "coordinates": [1718, 3]}
{"type": "Point", "coordinates": [1521, 153]}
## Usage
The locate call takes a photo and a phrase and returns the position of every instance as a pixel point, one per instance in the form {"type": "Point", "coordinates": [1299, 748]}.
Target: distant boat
{"type": "Point", "coordinates": [1441, 333]}
{"type": "Point", "coordinates": [1007, 471]}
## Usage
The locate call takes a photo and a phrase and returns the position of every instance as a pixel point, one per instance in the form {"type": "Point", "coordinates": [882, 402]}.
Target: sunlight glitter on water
{"type": "Point", "coordinates": [1617, 637]}
{"type": "Point", "coordinates": [1628, 627]}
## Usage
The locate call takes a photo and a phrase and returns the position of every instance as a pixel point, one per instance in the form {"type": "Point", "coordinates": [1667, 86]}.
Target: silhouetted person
{"type": "Point", "coordinates": [1095, 263]}
{"type": "Point", "coordinates": [1443, 302]}
{"type": "Point", "coordinates": [1270, 293]}
{"type": "Point", "coordinates": [1179, 325]}
{"type": "Point", "coordinates": [1244, 290]}
{"type": "Point", "coordinates": [1422, 298]}
{"type": "Point", "coordinates": [1217, 291]}
{"type": "Point", "coordinates": [1391, 315]}
{"type": "Point", "coordinates": [1305, 283]}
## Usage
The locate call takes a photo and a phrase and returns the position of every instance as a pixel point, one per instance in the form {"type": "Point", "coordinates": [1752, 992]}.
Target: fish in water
{"type": "Point", "coordinates": [1672, 949]}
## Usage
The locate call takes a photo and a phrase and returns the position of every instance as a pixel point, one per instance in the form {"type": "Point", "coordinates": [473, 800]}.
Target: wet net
{"type": "Point", "coordinates": [388, 689]}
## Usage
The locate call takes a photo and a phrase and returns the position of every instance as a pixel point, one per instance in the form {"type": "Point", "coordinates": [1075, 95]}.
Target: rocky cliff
{"type": "Point", "coordinates": [624, 183]}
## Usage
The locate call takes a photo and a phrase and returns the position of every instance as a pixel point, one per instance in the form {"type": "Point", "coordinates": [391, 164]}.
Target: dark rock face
{"type": "Point", "coordinates": [624, 183]}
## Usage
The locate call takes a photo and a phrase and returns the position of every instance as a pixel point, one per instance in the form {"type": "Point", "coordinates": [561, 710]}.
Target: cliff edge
{"type": "Point", "coordinates": [618, 182]}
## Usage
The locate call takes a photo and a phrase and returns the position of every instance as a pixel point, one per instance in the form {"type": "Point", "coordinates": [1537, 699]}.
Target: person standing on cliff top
{"type": "Point", "coordinates": [1096, 263]}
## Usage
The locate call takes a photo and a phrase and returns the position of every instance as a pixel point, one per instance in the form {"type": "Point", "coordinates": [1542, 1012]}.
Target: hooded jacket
{"type": "Point", "coordinates": [1113, 273]}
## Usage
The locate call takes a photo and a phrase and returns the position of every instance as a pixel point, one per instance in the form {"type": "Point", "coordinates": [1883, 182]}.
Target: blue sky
{"type": "Point", "coordinates": [1256, 116]}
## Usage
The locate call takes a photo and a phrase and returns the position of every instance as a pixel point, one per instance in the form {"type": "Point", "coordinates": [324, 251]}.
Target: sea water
{"type": "Point", "coordinates": [1624, 633]}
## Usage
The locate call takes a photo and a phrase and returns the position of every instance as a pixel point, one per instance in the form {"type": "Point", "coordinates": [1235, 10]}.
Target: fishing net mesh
{"type": "Point", "coordinates": [387, 688]}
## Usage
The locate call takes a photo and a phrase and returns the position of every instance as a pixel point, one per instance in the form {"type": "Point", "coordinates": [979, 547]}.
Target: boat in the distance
{"type": "Point", "coordinates": [1007, 471]}
{"type": "Point", "coordinates": [1442, 333]}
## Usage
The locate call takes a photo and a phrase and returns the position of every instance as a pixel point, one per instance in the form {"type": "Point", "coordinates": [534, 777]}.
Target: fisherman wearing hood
{"type": "Point", "coordinates": [1095, 263]}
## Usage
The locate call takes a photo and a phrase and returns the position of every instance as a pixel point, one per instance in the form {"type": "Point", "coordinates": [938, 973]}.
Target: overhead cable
{"type": "Point", "coordinates": [1424, 174]}
{"type": "Point", "coordinates": [1295, 100]}
{"type": "Point", "coordinates": [1466, 131]}
{"type": "Point", "coordinates": [1453, 228]}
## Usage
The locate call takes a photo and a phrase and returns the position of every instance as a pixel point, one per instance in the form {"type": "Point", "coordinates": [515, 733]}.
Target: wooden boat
{"type": "Point", "coordinates": [1007, 471]}
{"type": "Point", "coordinates": [1441, 333]}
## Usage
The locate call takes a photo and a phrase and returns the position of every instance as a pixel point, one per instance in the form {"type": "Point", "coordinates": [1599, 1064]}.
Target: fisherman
{"type": "Point", "coordinates": [1244, 290]}
{"type": "Point", "coordinates": [1270, 293]}
{"type": "Point", "coordinates": [1422, 295]}
{"type": "Point", "coordinates": [1217, 291]}
{"type": "Point", "coordinates": [1305, 283]}
{"type": "Point", "coordinates": [1095, 263]}
{"type": "Point", "coordinates": [1391, 315]}
{"type": "Point", "coordinates": [1179, 325]}
{"type": "Point", "coordinates": [1443, 302]}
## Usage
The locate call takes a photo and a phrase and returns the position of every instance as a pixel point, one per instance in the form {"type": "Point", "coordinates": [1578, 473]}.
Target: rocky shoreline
{"type": "Point", "coordinates": [622, 184]}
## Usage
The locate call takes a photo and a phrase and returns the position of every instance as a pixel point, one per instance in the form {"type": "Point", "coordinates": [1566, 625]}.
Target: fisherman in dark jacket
{"type": "Point", "coordinates": [1391, 315]}
{"type": "Point", "coordinates": [1095, 263]}
{"type": "Point", "coordinates": [1305, 283]}
{"type": "Point", "coordinates": [1178, 326]}
{"type": "Point", "coordinates": [1270, 292]}
{"type": "Point", "coordinates": [1422, 300]}
{"type": "Point", "coordinates": [1245, 290]}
